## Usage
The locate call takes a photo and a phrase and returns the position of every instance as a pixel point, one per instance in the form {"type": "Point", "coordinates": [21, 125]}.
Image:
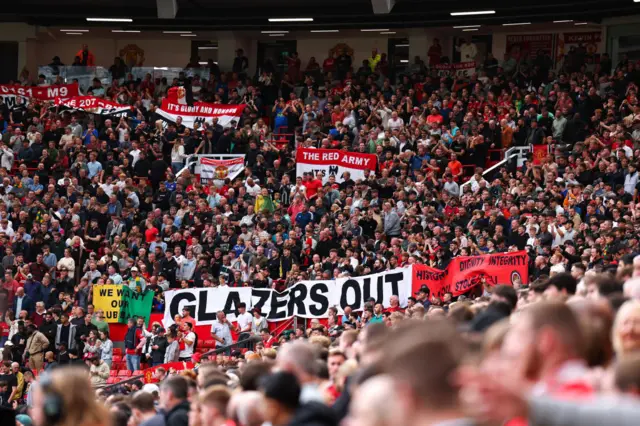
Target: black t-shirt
{"type": "Point", "coordinates": [11, 381]}
{"type": "Point", "coordinates": [64, 334]}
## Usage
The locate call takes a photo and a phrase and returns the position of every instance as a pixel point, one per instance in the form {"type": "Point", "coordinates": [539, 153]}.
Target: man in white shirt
{"type": "Point", "coordinates": [244, 320]}
{"type": "Point", "coordinates": [252, 188]}
{"type": "Point", "coordinates": [135, 153]}
{"type": "Point", "coordinates": [395, 122]}
{"type": "Point", "coordinates": [189, 340]}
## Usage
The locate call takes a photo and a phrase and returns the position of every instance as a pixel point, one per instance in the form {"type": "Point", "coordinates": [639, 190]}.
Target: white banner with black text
{"type": "Point", "coordinates": [305, 299]}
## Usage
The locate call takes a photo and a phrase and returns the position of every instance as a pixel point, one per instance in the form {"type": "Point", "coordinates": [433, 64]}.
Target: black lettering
{"type": "Point", "coordinates": [114, 303]}
{"type": "Point", "coordinates": [203, 315]}
{"type": "Point", "coordinates": [297, 295]}
{"type": "Point", "coordinates": [175, 303]}
{"type": "Point", "coordinates": [119, 291]}
{"type": "Point", "coordinates": [393, 278]}
{"type": "Point", "coordinates": [278, 300]}
{"type": "Point", "coordinates": [355, 285]}
{"type": "Point", "coordinates": [262, 295]}
{"type": "Point", "coordinates": [366, 289]}
{"type": "Point", "coordinates": [231, 305]}
{"type": "Point", "coordinates": [318, 294]}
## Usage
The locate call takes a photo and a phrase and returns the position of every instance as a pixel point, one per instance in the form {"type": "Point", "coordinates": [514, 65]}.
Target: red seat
{"type": "Point", "coordinates": [117, 351]}
{"type": "Point", "coordinates": [138, 373]}
{"type": "Point", "coordinates": [124, 373]}
{"type": "Point", "coordinates": [112, 380]}
{"type": "Point", "coordinates": [117, 358]}
{"type": "Point", "coordinates": [113, 373]}
{"type": "Point", "coordinates": [208, 344]}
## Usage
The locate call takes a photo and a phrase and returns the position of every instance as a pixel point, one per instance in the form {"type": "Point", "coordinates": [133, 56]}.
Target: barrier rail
{"type": "Point", "coordinates": [513, 152]}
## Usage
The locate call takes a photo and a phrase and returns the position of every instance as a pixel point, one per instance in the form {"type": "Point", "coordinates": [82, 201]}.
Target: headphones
{"type": "Point", "coordinates": [52, 405]}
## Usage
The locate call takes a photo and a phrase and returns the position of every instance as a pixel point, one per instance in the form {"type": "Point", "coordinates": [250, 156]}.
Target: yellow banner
{"type": "Point", "coordinates": [108, 298]}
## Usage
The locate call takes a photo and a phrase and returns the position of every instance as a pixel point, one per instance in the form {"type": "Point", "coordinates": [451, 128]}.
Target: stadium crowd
{"type": "Point", "coordinates": [91, 200]}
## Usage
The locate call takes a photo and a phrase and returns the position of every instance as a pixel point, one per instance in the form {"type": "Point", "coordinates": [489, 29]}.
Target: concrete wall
{"type": "Point", "coordinates": [362, 47]}
{"type": "Point", "coordinates": [166, 52]}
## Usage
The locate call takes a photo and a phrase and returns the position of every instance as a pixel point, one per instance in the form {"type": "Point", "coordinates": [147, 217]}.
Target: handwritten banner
{"type": "Point", "coordinates": [108, 298]}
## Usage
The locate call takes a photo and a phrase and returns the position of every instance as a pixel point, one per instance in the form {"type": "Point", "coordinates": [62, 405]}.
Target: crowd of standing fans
{"type": "Point", "coordinates": [91, 200]}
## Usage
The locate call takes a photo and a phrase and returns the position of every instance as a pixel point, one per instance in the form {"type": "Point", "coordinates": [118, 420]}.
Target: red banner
{"type": "Point", "coordinates": [540, 152]}
{"type": "Point", "coordinates": [175, 366]}
{"type": "Point", "coordinates": [588, 37]}
{"type": "Point", "coordinates": [460, 69]}
{"type": "Point", "coordinates": [467, 272]}
{"type": "Point", "coordinates": [519, 44]}
{"type": "Point", "coordinates": [93, 105]}
{"type": "Point", "coordinates": [42, 93]}
{"type": "Point", "coordinates": [203, 109]}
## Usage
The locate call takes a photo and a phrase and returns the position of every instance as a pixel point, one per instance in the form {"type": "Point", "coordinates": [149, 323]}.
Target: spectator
{"type": "Point", "coordinates": [173, 399]}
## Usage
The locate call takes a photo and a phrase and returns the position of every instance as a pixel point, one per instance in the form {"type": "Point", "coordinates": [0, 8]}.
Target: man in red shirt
{"type": "Point", "coordinates": [313, 185]}
{"type": "Point", "coordinates": [132, 345]}
{"type": "Point", "coordinates": [10, 285]}
{"type": "Point", "coordinates": [267, 339]}
{"type": "Point", "coordinates": [395, 304]}
{"type": "Point", "coordinates": [329, 64]}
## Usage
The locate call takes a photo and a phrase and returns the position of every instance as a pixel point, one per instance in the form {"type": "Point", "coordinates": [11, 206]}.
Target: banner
{"type": "Point", "coordinates": [201, 112]}
{"type": "Point", "coordinates": [135, 304]}
{"type": "Point", "coordinates": [219, 170]}
{"type": "Point", "coordinates": [41, 93]}
{"type": "Point", "coordinates": [306, 299]}
{"type": "Point", "coordinates": [108, 297]}
{"type": "Point", "coordinates": [521, 45]}
{"type": "Point", "coordinates": [330, 162]}
{"type": "Point", "coordinates": [467, 272]}
{"type": "Point", "coordinates": [540, 152]}
{"type": "Point", "coordinates": [93, 105]}
{"type": "Point", "coordinates": [177, 95]}
{"type": "Point", "coordinates": [458, 70]}
{"type": "Point", "coordinates": [169, 367]}
{"type": "Point", "coordinates": [591, 42]}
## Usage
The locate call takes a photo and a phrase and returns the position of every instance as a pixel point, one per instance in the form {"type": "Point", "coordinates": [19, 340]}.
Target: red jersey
{"type": "Point", "coordinates": [4, 329]}
{"type": "Point", "coordinates": [312, 187]}
{"type": "Point", "coordinates": [329, 65]}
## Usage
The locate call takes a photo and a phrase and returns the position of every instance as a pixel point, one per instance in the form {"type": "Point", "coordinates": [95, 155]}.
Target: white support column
{"type": "Point", "coordinates": [418, 46]}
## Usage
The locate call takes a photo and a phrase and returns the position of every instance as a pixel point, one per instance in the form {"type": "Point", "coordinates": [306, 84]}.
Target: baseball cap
{"type": "Point", "coordinates": [134, 269]}
{"type": "Point", "coordinates": [423, 289]}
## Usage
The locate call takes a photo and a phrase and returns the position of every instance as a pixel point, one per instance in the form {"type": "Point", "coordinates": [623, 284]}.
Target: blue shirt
{"type": "Point", "coordinates": [281, 119]}
{"type": "Point", "coordinates": [86, 137]}
{"type": "Point", "coordinates": [303, 219]}
{"type": "Point", "coordinates": [94, 168]}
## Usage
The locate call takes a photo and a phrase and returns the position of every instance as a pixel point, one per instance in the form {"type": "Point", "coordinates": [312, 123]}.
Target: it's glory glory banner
{"type": "Point", "coordinates": [201, 112]}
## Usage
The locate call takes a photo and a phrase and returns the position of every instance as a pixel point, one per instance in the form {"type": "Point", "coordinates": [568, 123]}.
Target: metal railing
{"type": "Point", "coordinates": [518, 152]}
{"type": "Point", "coordinates": [277, 332]}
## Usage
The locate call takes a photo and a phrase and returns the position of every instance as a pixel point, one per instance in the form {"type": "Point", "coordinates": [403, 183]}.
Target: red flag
{"type": "Point", "coordinates": [540, 152]}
